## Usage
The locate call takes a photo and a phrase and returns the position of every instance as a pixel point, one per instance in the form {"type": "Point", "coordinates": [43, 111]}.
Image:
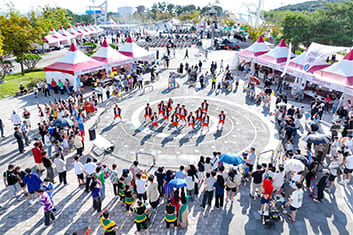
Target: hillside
{"type": "Point", "coordinates": [307, 6]}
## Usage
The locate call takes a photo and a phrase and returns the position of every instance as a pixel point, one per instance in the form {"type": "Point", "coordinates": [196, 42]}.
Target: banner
{"type": "Point", "coordinates": [317, 53]}
{"type": "Point", "coordinates": [288, 60]}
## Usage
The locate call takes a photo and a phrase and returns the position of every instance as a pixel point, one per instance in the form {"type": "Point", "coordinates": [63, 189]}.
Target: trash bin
{"type": "Point", "coordinates": [92, 134]}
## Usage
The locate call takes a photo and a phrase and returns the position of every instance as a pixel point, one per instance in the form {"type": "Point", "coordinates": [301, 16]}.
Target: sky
{"type": "Point", "coordinates": [79, 6]}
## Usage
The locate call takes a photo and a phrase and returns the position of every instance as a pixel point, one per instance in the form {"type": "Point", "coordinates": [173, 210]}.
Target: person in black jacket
{"type": "Point", "coordinates": [321, 185]}
{"type": "Point", "coordinates": [19, 139]}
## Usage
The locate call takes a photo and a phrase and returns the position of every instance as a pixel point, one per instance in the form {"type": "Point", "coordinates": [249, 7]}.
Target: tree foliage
{"type": "Point", "coordinates": [5, 67]}
{"type": "Point", "coordinates": [19, 35]}
{"type": "Point", "coordinates": [30, 61]}
{"type": "Point", "coordinates": [331, 26]}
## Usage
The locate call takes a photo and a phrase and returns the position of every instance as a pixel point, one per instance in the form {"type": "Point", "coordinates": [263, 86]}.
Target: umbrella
{"type": "Point", "coordinates": [178, 183]}
{"type": "Point", "coordinates": [280, 104]}
{"type": "Point", "coordinates": [231, 158]}
{"type": "Point", "coordinates": [317, 139]}
{"type": "Point", "coordinates": [314, 126]}
{"type": "Point", "coordinates": [301, 158]}
{"type": "Point", "coordinates": [293, 165]}
{"type": "Point", "coordinates": [255, 80]}
{"type": "Point", "coordinates": [61, 122]}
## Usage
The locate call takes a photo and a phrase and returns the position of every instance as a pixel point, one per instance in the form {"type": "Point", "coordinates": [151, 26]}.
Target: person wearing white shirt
{"type": "Point", "coordinates": [348, 169]}
{"type": "Point", "coordinates": [47, 143]}
{"type": "Point", "coordinates": [60, 168]}
{"type": "Point", "coordinates": [278, 180]}
{"type": "Point", "coordinates": [190, 184]}
{"type": "Point", "coordinates": [78, 166]}
{"type": "Point", "coordinates": [16, 119]}
{"type": "Point", "coordinates": [140, 187]}
{"type": "Point", "coordinates": [89, 168]}
{"type": "Point", "coordinates": [333, 168]}
{"type": "Point", "coordinates": [295, 201]}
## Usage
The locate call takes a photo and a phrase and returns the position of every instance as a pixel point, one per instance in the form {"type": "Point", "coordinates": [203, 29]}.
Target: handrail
{"type": "Point", "coordinates": [148, 154]}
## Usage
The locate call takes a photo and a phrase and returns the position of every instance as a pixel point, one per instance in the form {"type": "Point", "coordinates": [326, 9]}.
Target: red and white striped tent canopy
{"type": "Point", "coordinates": [72, 64]}
{"type": "Point", "coordinates": [338, 76]}
{"type": "Point", "coordinates": [256, 49]}
{"type": "Point", "coordinates": [131, 49]}
{"type": "Point", "coordinates": [98, 29]}
{"type": "Point", "coordinates": [276, 57]}
{"type": "Point", "coordinates": [74, 32]}
{"type": "Point", "coordinates": [296, 67]}
{"type": "Point", "coordinates": [81, 30]}
{"type": "Point", "coordinates": [106, 54]}
{"type": "Point", "coordinates": [66, 34]}
{"type": "Point", "coordinates": [87, 30]}
{"type": "Point", "coordinates": [51, 40]}
{"type": "Point", "coordinates": [64, 40]}
{"type": "Point", "coordinates": [91, 28]}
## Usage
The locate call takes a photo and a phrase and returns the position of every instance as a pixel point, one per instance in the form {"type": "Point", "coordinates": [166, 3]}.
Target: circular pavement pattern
{"type": "Point", "coordinates": [242, 129]}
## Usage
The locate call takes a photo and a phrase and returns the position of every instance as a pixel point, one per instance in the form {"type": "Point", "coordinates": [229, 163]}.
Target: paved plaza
{"type": "Point", "coordinates": [246, 125]}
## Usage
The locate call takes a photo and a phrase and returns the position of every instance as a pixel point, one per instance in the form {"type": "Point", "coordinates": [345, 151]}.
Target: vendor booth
{"type": "Point", "coordinates": [74, 32]}
{"type": "Point", "coordinates": [62, 39]}
{"type": "Point", "coordinates": [98, 29]}
{"type": "Point", "coordinates": [132, 50]}
{"type": "Point", "coordinates": [111, 58]}
{"type": "Point", "coordinates": [338, 76]}
{"type": "Point", "coordinates": [51, 42]}
{"type": "Point", "coordinates": [71, 66]}
{"type": "Point", "coordinates": [275, 58]}
{"type": "Point", "coordinates": [256, 49]}
{"type": "Point", "coordinates": [83, 32]}
{"type": "Point", "coordinates": [66, 34]}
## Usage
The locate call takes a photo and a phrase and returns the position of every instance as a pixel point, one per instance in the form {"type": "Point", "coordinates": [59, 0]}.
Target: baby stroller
{"type": "Point", "coordinates": [269, 218]}
{"type": "Point", "coordinates": [312, 193]}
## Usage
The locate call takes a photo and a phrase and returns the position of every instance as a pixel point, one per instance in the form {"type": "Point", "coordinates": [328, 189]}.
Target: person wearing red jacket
{"type": "Point", "coordinates": [266, 195]}
{"type": "Point", "coordinates": [198, 115]}
{"type": "Point", "coordinates": [161, 108]}
{"type": "Point", "coordinates": [37, 155]}
{"type": "Point", "coordinates": [182, 113]}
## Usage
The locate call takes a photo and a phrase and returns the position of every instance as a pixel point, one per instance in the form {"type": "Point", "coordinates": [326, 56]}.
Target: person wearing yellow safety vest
{"type": "Point", "coordinates": [108, 224]}
{"type": "Point", "coordinates": [171, 216]}
{"type": "Point", "coordinates": [214, 80]}
{"type": "Point", "coordinates": [141, 217]}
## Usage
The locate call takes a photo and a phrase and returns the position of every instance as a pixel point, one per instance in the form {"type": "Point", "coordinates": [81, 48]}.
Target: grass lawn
{"type": "Point", "coordinates": [12, 82]}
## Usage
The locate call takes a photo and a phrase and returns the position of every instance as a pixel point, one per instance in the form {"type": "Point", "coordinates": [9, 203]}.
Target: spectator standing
{"type": "Point", "coordinates": [11, 180]}
{"type": "Point", "coordinates": [19, 140]}
{"type": "Point", "coordinates": [48, 143]}
{"type": "Point", "coordinates": [209, 189]}
{"type": "Point", "coordinates": [97, 202]}
{"type": "Point", "coordinates": [78, 143]}
{"type": "Point", "coordinates": [60, 168]}
{"type": "Point", "coordinates": [180, 173]}
{"type": "Point", "coordinates": [37, 155]}
{"type": "Point", "coordinates": [141, 187]}
{"type": "Point", "coordinates": [78, 166]}
{"type": "Point", "coordinates": [33, 183]}
{"type": "Point", "coordinates": [295, 201]}
{"type": "Point", "coordinates": [20, 176]}
{"type": "Point", "coordinates": [114, 178]}
{"type": "Point", "coordinates": [2, 128]}
{"type": "Point", "coordinates": [47, 205]}
{"type": "Point", "coordinates": [153, 193]}
{"type": "Point", "coordinates": [89, 169]}
{"type": "Point", "coordinates": [219, 187]}
{"type": "Point", "coordinates": [48, 164]}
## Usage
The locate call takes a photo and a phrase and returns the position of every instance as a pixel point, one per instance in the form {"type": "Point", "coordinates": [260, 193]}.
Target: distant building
{"type": "Point", "coordinates": [126, 11]}
{"type": "Point", "coordinates": [140, 9]}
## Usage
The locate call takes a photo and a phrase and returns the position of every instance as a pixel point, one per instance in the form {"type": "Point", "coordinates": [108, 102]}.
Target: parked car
{"type": "Point", "coordinates": [227, 45]}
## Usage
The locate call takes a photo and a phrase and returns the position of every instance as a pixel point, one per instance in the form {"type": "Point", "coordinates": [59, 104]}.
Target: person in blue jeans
{"type": "Point", "coordinates": [209, 189]}
{"type": "Point", "coordinates": [33, 182]}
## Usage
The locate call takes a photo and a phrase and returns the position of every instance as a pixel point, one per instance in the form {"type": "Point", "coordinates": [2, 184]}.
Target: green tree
{"type": "Point", "coordinates": [30, 61]}
{"type": "Point", "coordinates": [19, 35]}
